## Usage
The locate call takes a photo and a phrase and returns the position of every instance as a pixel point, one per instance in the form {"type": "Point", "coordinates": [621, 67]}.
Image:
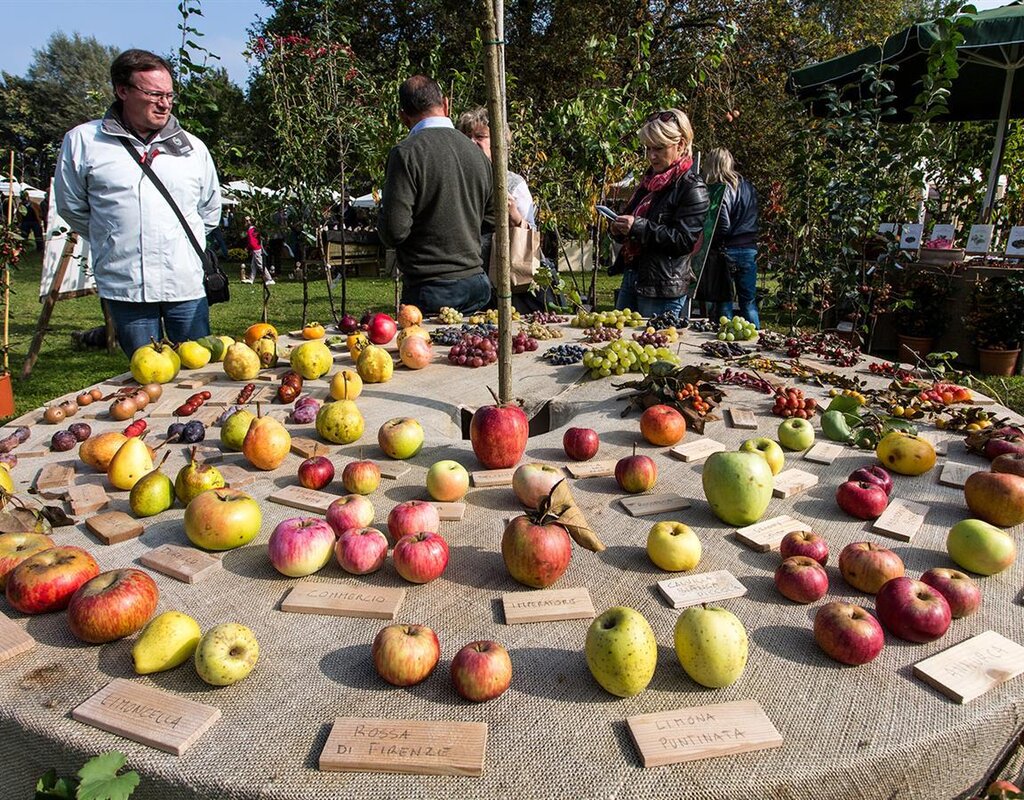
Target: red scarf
{"type": "Point", "coordinates": [640, 202]}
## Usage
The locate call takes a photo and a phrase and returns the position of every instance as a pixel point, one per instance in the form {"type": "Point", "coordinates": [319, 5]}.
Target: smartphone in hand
{"type": "Point", "coordinates": [607, 213]}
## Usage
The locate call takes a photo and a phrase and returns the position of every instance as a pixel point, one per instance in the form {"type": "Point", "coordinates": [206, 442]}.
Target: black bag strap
{"type": "Point", "coordinates": [159, 184]}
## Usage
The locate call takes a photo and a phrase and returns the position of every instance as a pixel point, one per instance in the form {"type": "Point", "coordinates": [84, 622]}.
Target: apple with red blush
{"type": "Point", "coordinates": [873, 474]}
{"type": "Point", "coordinates": [862, 499]}
{"type": "Point", "coordinates": [112, 605]}
{"type": "Point", "coordinates": [413, 516]}
{"type": "Point", "coordinates": [316, 472]}
{"type": "Point", "coordinates": [581, 444]}
{"type": "Point", "coordinates": [535, 554]}
{"type": "Point", "coordinates": [360, 551]}
{"type": "Point", "coordinates": [804, 543]}
{"type": "Point", "coordinates": [866, 566]}
{"type": "Point", "coordinates": [801, 579]}
{"type": "Point", "coordinates": [531, 483]}
{"type": "Point", "coordinates": [300, 546]}
{"type": "Point", "coordinates": [421, 557]}
{"type": "Point", "coordinates": [46, 581]}
{"type": "Point", "coordinates": [913, 610]}
{"type": "Point", "coordinates": [405, 655]}
{"type": "Point", "coordinates": [848, 633]}
{"type": "Point", "coordinates": [481, 671]}
{"type": "Point", "coordinates": [959, 589]}
{"type": "Point", "coordinates": [361, 477]}
{"type": "Point", "coordinates": [350, 511]}
{"type": "Point", "coordinates": [636, 474]}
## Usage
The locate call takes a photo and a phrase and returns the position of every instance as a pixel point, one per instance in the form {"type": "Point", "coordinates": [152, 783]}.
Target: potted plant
{"type": "Point", "coordinates": [920, 310]}
{"type": "Point", "coordinates": [996, 320]}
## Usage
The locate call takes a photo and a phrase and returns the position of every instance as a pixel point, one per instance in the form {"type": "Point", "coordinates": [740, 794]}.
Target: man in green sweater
{"type": "Point", "coordinates": [437, 203]}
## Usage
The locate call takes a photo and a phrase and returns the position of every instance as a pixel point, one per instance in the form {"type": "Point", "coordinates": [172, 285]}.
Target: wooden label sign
{"type": "Point", "coordinates": [207, 415]}
{"type": "Point", "coordinates": [691, 734]}
{"type": "Point", "coordinates": [768, 534]}
{"type": "Point", "coordinates": [149, 716]}
{"type": "Point", "coordinates": [939, 441]}
{"type": "Point", "coordinates": [824, 453]}
{"type": "Point", "coordinates": [343, 600]}
{"type": "Point", "coordinates": [450, 512]}
{"type": "Point", "coordinates": [742, 418]}
{"type": "Point", "coordinates": [791, 482]}
{"type": "Point", "coordinates": [114, 527]}
{"type": "Point", "coordinates": [303, 499]}
{"type": "Point", "coordinates": [163, 409]}
{"type": "Point", "coordinates": [591, 469]}
{"type": "Point", "coordinates": [901, 520]}
{"type": "Point", "coordinates": [236, 477]}
{"type": "Point", "coordinates": [492, 477]}
{"type": "Point", "coordinates": [708, 587]}
{"type": "Point", "coordinates": [645, 504]}
{"type": "Point", "coordinates": [196, 381]}
{"type": "Point", "coordinates": [13, 639]}
{"type": "Point", "coordinates": [54, 480]}
{"type": "Point", "coordinates": [967, 670]}
{"type": "Point", "coordinates": [697, 450]}
{"type": "Point", "coordinates": [956, 475]}
{"type": "Point", "coordinates": [393, 470]}
{"type": "Point", "coordinates": [412, 747]}
{"type": "Point", "coordinates": [184, 563]}
{"type": "Point", "coordinates": [548, 605]}
{"type": "Point", "coordinates": [308, 448]}
{"type": "Point", "coordinates": [980, 399]}
{"type": "Point", "coordinates": [85, 498]}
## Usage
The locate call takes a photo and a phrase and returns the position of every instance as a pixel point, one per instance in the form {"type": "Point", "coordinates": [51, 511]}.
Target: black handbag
{"type": "Point", "coordinates": [215, 282]}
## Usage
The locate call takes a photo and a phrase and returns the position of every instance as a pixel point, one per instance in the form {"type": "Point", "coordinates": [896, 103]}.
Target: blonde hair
{"type": "Point", "coordinates": [659, 133]}
{"type": "Point", "coordinates": [719, 167]}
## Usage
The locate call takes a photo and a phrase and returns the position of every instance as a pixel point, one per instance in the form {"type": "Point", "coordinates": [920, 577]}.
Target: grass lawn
{"type": "Point", "coordinates": [61, 368]}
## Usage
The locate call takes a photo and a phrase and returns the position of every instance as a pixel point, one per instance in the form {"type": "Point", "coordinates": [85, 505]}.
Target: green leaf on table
{"type": "Point", "coordinates": [50, 786]}
{"type": "Point", "coordinates": [99, 779]}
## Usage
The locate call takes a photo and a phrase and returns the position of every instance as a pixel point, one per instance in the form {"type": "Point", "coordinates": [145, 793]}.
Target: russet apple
{"type": "Point", "coordinates": [360, 477]}
{"type": "Point", "coordinates": [581, 444]}
{"type": "Point", "coordinates": [769, 450]}
{"type": "Point", "coordinates": [498, 435]}
{"type": "Point", "coordinates": [960, 591]}
{"type": "Point", "coordinates": [861, 499]}
{"type": "Point", "coordinates": [481, 671]}
{"type": "Point", "coordinates": [796, 433]}
{"type": "Point", "coordinates": [621, 651]}
{"type": "Point", "coordinates": [912, 610]}
{"type": "Point", "coordinates": [112, 605]}
{"type": "Point", "coordinates": [360, 551]}
{"type": "Point", "coordinates": [413, 516]}
{"type": "Point", "coordinates": [848, 633]}
{"type": "Point", "coordinates": [46, 581]}
{"type": "Point", "coordinates": [405, 655]}
{"type": "Point", "coordinates": [980, 547]}
{"type": "Point", "coordinates": [804, 543]}
{"type": "Point", "coordinates": [535, 555]}
{"type": "Point", "coordinates": [801, 579]}
{"type": "Point", "coordinates": [400, 438]}
{"type": "Point", "coordinates": [662, 425]}
{"type": "Point", "coordinates": [222, 519]}
{"type": "Point", "coordinates": [447, 481]}
{"type": "Point", "coordinates": [996, 497]}
{"type": "Point", "coordinates": [16, 547]}
{"type": "Point", "coordinates": [421, 557]}
{"type": "Point", "coordinates": [531, 483]}
{"type": "Point", "coordinates": [673, 546]}
{"type": "Point", "coordinates": [866, 566]}
{"type": "Point", "coordinates": [350, 511]}
{"type": "Point", "coordinates": [301, 546]}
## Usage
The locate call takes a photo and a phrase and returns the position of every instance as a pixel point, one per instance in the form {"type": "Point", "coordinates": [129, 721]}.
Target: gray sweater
{"type": "Point", "coordinates": [437, 202]}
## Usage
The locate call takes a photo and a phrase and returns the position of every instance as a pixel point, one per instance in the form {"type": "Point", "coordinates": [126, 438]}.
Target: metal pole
{"type": "Point", "coordinates": [997, 150]}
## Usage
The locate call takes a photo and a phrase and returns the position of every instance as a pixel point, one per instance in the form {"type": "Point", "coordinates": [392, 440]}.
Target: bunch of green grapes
{"type": "Point", "coordinates": [736, 329]}
{"type": "Point", "coordinates": [449, 316]}
{"type": "Point", "coordinates": [612, 319]}
{"type": "Point", "coordinates": [538, 331]}
{"type": "Point", "coordinates": [622, 356]}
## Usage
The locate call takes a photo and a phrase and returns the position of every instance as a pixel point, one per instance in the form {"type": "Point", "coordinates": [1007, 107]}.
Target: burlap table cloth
{"type": "Point", "coordinates": [873, 731]}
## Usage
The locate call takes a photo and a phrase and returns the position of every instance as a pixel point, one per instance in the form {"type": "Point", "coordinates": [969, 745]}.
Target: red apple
{"type": "Point", "coordinates": [636, 474]}
{"type": "Point", "coordinates": [997, 447]}
{"type": "Point", "coordinates": [804, 543]}
{"type": "Point", "coordinates": [481, 671]}
{"type": "Point", "coordinates": [405, 655]}
{"type": "Point", "coordinates": [316, 472]}
{"type": "Point", "coordinates": [959, 589]}
{"type": "Point", "coordinates": [533, 482]}
{"type": "Point", "coordinates": [662, 425]}
{"type": "Point", "coordinates": [413, 516]}
{"type": "Point", "coordinates": [360, 477]}
{"type": "Point", "coordinates": [421, 557]}
{"type": "Point", "coordinates": [45, 582]}
{"type": "Point", "coordinates": [801, 579]}
{"type": "Point", "coordinates": [873, 474]}
{"type": "Point", "coordinates": [112, 605]}
{"type": "Point", "coordinates": [16, 547]}
{"type": "Point", "coordinates": [350, 511]}
{"type": "Point", "coordinates": [381, 329]}
{"type": "Point", "coordinates": [361, 551]}
{"type": "Point", "coordinates": [1010, 463]}
{"type": "Point", "coordinates": [996, 497]}
{"type": "Point", "coordinates": [535, 555]}
{"type": "Point", "coordinates": [866, 566]}
{"type": "Point", "coordinates": [498, 435]}
{"type": "Point", "coordinates": [301, 546]}
{"type": "Point", "coordinates": [581, 444]}
{"type": "Point", "coordinates": [912, 610]}
{"type": "Point", "coordinates": [848, 633]}
{"type": "Point", "coordinates": [861, 499]}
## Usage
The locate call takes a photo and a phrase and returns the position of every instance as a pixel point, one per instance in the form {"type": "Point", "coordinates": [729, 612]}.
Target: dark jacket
{"type": "Point", "coordinates": [737, 222]}
{"type": "Point", "coordinates": [667, 237]}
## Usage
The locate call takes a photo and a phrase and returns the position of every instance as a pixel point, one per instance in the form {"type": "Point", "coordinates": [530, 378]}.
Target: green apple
{"type": "Point", "coordinates": [401, 437]}
{"type": "Point", "coordinates": [621, 651]}
{"type": "Point", "coordinates": [796, 433]}
{"type": "Point", "coordinates": [738, 486]}
{"type": "Point", "coordinates": [980, 547]}
{"type": "Point", "coordinates": [232, 432]}
{"type": "Point", "coordinates": [769, 449]}
{"type": "Point", "coordinates": [226, 654]}
{"type": "Point", "coordinates": [673, 546]}
{"type": "Point", "coordinates": [447, 481]}
{"type": "Point", "coordinates": [711, 644]}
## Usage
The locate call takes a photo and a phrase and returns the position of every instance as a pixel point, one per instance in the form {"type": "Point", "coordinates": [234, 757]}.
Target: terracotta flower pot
{"type": "Point", "coordinates": [6, 396]}
{"type": "Point", "coordinates": [997, 362]}
{"type": "Point", "coordinates": [911, 346]}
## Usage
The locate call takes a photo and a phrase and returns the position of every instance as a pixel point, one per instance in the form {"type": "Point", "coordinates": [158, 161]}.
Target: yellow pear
{"type": "Point", "coordinates": [6, 482]}
{"type": "Point", "coordinates": [130, 463]}
{"type": "Point", "coordinates": [241, 362]}
{"type": "Point", "coordinates": [97, 451]}
{"type": "Point", "coordinates": [267, 443]}
{"type": "Point", "coordinates": [167, 640]}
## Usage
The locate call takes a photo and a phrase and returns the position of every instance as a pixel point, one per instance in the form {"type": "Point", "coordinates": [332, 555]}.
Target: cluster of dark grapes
{"type": "Point", "coordinates": [487, 329]}
{"type": "Point", "coordinates": [595, 335]}
{"type": "Point", "coordinates": [668, 319]}
{"type": "Point", "coordinates": [704, 325]}
{"type": "Point", "coordinates": [522, 343]}
{"type": "Point", "coordinates": [651, 336]}
{"type": "Point", "coordinates": [446, 336]}
{"type": "Point", "coordinates": [474, 351]}
{"type": "Point", "coordinates": [745, 379]}
{"type": "Point", "coordinates": [826, 346]}
{"type": "Point", "coordinates": [719, 349]}
{"type": "Point", "coordinates": [546, 318]}
{"type": "Point", "coordinates": [565, 354]}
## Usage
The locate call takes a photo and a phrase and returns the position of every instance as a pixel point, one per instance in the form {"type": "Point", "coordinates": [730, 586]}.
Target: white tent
{"type": "Point", "coordinates": [34, 194]}
{"type": "Point", "coordinates": [366, 201]}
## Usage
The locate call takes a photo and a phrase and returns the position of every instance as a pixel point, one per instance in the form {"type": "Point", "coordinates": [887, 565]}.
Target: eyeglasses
{"type": "Point", "coordinates": [155, 96]}
{"type": "Point", "coordinates": [663, 116]}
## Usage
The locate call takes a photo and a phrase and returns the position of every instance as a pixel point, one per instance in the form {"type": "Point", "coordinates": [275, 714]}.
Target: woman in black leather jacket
{"type": "Point", "coordinates": [662, 222]}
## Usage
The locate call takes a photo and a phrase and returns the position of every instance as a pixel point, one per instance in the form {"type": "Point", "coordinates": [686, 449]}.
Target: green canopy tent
{"type": "Point", "coordinates": [989, 57]}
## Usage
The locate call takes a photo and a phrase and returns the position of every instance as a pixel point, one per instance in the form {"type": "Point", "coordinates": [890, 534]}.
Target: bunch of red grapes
{"type": "Point", "coordinates": [473, 350]}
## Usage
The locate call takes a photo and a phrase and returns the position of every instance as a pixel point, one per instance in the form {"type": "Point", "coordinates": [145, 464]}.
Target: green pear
{"type": "Point", "coordinates": [195, 478]}
{"type": "Point", "coordinates": [130, 463]}
{"type": "Point", "coordinates": [711, 644]}
{"type": "Point", "coordinates": [153, 493]}
{"type": "Point", "coordinates": [232, 432]}
{"type": "Point", "coordinates": [621, 651]}
{"type": "Point", "coordinates": [167, 640]}
{"type": "Point", "coordinates": [226, 654]}
{"type": "Point", "coordinates": [738, 486]}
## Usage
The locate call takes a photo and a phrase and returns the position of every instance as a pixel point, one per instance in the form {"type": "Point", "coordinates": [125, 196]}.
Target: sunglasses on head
{"type": "Point", "coordinates": [663, 116]}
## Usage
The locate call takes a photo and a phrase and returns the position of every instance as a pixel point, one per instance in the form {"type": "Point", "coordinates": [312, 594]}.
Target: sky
{"type": "Point", "coordinates": [149, 24]}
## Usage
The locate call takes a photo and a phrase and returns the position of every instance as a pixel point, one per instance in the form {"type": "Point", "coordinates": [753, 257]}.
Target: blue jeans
{"type": "Point", "coordinates": [649, 307]}
{"type": "Point", "coordinates": [746, 285]}
{"type": "Point", "coordinates": [137, 323]}
{"type": "Point", "coordinates": [465, 294]}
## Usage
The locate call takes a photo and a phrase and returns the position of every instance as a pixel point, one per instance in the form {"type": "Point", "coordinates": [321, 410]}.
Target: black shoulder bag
{"type": "Point", "coordinates": [215, 282]}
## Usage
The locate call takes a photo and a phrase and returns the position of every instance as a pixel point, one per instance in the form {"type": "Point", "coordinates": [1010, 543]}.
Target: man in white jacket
{"type": "Point", "coordinates": [146, 268]}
